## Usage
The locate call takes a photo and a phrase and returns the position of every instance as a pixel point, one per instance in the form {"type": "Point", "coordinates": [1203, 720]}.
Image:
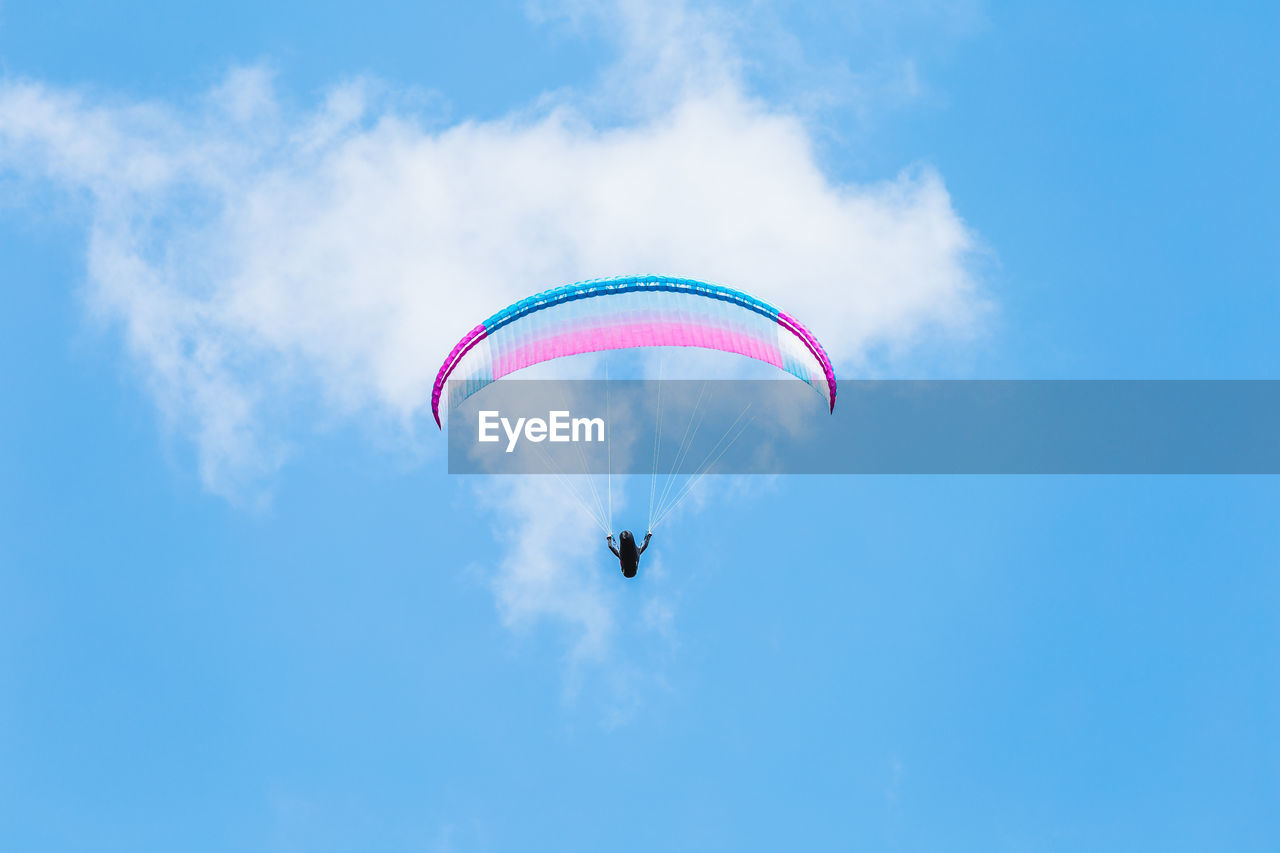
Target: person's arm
{"type": "Point", "coordinates": [609, 539]}
{"type": "Point", "coordinates": [645, 544]}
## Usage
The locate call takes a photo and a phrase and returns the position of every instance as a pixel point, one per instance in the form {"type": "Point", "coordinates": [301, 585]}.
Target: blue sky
{"type": "Point", "coordinates": [242, 606]}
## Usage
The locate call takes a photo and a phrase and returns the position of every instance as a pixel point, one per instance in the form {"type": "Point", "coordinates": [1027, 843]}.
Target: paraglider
{"type": "Point", "coordinates": [627, 553]}
{"type": "Point", "coordinates": [626, 313]}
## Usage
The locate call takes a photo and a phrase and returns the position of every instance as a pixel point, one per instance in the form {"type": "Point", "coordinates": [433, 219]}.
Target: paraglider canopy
{"type": "Point", "coordinates": [630, 312]}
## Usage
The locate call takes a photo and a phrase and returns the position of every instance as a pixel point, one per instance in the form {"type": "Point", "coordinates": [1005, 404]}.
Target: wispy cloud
{"type": "Point", "coordinates": [255, 258]}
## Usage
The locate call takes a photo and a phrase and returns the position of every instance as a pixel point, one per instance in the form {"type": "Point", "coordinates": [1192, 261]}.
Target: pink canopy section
{"type": "Point", "coordinates": [631, 312]}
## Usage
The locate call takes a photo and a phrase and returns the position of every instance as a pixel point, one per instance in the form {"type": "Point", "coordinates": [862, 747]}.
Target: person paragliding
{"type": "Point", "coordinates": [625, 313]}
{"type": "Point", "coordinates": [627, 553]}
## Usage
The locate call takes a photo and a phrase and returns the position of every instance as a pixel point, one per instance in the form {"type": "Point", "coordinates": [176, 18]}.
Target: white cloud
{"type": "Point", "coordinates": [252, 256]}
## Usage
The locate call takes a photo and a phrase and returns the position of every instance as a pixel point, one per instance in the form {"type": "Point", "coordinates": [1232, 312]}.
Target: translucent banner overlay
{"type": "Point", "coordinates": [878, 427]}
